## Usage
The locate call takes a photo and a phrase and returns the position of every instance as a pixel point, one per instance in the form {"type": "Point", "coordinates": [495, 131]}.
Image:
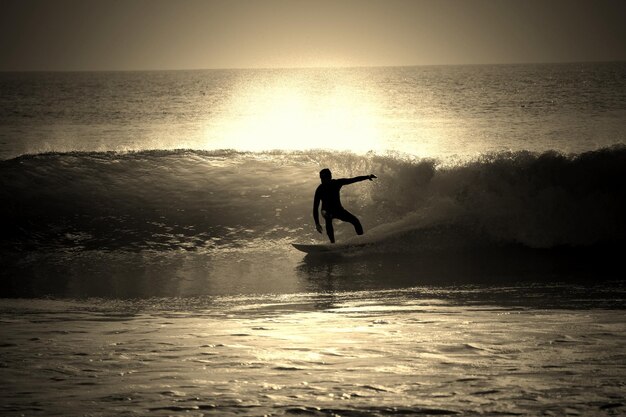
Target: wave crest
{"type": "Point", "coordinates": [222, 199]}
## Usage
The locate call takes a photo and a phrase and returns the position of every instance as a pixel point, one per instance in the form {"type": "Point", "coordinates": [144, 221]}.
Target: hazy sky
{"type": "Point", "coordinates": [188, 34]}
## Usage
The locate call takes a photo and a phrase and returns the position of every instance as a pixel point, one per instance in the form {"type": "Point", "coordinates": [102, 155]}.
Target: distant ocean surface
{"type": "Point", "coordinates": [147, 221]}
{"type": "Point", "coordinates": [422, 111]}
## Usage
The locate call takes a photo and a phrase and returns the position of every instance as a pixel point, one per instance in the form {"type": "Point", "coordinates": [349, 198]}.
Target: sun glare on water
{"type": "Point", "coordinates": [298, 115]}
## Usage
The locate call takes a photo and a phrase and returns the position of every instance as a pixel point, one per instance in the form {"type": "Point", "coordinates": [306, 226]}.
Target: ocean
{"type": "Point", "coordinates": [147, 222]}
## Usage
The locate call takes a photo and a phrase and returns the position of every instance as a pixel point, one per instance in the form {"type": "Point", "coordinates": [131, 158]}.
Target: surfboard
{"type": "Point", "coordinates": [326, 248]}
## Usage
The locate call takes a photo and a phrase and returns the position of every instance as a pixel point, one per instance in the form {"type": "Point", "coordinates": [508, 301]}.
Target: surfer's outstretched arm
{"type": "Point", "coordinates": [316, 214]}
{"type": "Point", "coordinates": [346, 181]}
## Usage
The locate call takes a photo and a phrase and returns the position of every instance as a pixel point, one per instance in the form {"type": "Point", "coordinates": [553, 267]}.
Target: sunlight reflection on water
{"type": "Point", "coordinates": [292, 111]}
{"type": "Point", "coordinates": [318, 354]}
{"type": "Point", "coordinates": [438, 112]}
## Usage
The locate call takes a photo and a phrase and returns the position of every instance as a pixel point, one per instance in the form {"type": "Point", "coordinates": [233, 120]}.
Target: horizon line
{"type": "Point", "coordinates": [306, 67]}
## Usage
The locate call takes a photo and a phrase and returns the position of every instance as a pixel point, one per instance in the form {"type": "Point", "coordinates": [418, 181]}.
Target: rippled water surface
{"type": "Point", "coordinates": [424, 351]}
{"type": "Point", "coordinates": [425, 111]}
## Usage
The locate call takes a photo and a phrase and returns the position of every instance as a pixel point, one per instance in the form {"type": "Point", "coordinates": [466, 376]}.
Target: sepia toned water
{"type": "Point", "coordinates": [435, 111]}
{"type": "Point", "coordinates": [420, 351]}
{"type": "Point", "coordinates": [147, 221]}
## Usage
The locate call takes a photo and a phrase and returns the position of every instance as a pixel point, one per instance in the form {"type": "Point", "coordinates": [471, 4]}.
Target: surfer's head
{"type": "Point", "coordinates": [325, 175]}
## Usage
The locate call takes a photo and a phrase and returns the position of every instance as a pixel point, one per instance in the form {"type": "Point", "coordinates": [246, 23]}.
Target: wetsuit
{"type": "Point", "coordinates": [328, 193]}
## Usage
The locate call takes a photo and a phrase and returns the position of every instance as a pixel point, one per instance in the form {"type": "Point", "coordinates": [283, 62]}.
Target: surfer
{"type": "Point", "coordinates": [328, 193]}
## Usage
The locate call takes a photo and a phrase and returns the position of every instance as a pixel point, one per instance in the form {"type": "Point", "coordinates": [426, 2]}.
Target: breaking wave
{"type": "Point", "coordinates": [222, 200]}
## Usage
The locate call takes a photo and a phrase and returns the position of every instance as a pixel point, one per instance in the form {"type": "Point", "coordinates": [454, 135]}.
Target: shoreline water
{"type": "Point", "coordinates": [367, 354]}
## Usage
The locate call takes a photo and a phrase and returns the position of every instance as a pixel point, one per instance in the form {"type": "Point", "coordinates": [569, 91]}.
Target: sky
{"type": "Point", "coordinates": [197, 34]}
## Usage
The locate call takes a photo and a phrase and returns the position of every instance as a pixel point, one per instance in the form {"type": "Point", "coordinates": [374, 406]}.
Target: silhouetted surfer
{"type": "Point", "coordinates": [328, 193]}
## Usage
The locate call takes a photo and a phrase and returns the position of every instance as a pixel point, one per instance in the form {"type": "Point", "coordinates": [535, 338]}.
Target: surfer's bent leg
{"type": "Point", "coordinates": [346, 216]}
{"type": "Point", "coordinates": [330, 231]}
